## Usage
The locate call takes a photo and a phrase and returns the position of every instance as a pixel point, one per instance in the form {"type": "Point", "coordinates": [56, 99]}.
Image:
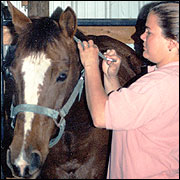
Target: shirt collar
{"type": "Point", "coordinates": [154, 68]}
{"type": "Point", "coordinates": [151, 68]}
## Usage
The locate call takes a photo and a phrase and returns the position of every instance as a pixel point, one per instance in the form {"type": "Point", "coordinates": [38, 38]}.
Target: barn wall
{"type": "Point", "coordinates": [109, 10]}
{"type": "Point", "coordinates": [18, 5]}
{"type": "Point", "coordinates": [101, 9]}
{"type": "Point", "coordinates": [94, 9]}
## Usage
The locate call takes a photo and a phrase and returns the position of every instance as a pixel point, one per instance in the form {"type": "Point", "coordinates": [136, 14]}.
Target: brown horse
{"type": "Point", "coordinates": [46, 71]}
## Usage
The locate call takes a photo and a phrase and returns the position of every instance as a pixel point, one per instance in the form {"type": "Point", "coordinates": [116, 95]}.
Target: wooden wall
{"type": "Point", "coordinates": [6, 36]}
{"type": "Point", "coordinates": [122, 30]}
{"type": "Point", "coordinates": [122, 33]}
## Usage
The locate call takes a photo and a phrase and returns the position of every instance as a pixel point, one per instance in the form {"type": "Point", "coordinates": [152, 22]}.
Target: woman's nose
{"type": "Point", "coordinates": [143, 36]}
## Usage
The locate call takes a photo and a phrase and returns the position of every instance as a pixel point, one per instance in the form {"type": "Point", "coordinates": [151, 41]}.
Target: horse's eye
{"type": "Point", "coordinates": [61, 77]}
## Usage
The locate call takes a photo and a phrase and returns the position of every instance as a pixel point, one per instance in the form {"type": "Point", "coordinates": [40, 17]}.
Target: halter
{"type": "Point", "coordinates": [51, 112]}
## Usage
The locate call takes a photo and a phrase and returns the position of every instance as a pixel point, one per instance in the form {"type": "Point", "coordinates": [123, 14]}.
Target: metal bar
{"type": "Point", "coordinates": [106, 22]}
{"type": "Point", "coordinates": [97, 22]}
{"type": "Point", "coordinates": [2, 91]}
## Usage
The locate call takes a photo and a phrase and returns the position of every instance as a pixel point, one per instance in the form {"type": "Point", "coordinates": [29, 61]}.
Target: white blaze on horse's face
{"type": "Point", "coordinates": [34, 68]}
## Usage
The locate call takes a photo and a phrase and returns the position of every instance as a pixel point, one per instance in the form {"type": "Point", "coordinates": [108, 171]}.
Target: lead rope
{"type": "Point", "coordinates": [99, 53]}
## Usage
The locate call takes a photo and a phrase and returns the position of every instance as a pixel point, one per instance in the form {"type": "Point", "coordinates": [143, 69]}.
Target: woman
{"type": "Point", "coordinates": [145, 116]}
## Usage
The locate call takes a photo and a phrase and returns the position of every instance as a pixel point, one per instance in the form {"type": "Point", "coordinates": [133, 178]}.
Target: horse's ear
{"type": "Point", "coordinates": [19, 20]}
{"type": "Point", "coordinates": [68, 22]}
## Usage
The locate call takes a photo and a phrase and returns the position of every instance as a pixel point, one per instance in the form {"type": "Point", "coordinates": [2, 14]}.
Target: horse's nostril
{"type": "Point", "coordinates": [16, 171]}
{"type": "Point", "coordinates": [35, 162]}
{"type": "Point", "coordinates": [23, 168]}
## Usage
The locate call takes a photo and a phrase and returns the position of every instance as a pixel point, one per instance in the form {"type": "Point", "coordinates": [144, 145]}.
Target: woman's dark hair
{"type": "Point", "coordinates": [168, 18]}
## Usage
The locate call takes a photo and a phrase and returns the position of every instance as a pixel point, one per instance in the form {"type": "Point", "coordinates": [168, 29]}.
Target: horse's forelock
{"type": "Point", "coordinates": [38, 34]}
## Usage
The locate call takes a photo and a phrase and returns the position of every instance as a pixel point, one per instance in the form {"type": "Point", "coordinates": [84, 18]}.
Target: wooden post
{"type": "Point", "coordinates": [38, 8]}
{"type": "Point", "coordinates": [24, 3]}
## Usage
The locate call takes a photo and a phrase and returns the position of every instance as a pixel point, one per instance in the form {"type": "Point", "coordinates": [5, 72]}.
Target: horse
{"type": "Point", "coordinates": [47, 142]}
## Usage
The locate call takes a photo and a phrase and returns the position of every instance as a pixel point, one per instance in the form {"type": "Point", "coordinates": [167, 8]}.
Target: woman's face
{"type": "Point", "coordinates": [155, 44]}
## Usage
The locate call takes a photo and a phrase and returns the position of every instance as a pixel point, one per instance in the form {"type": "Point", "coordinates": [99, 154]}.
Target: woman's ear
{"type": "Point", "coordinates": [173, 44]}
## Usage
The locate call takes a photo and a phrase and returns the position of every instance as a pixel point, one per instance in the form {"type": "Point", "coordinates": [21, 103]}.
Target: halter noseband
{"type": "Point", "coordinates": [51, 112]}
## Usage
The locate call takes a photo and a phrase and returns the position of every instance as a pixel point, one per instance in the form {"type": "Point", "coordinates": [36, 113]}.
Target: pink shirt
{"type": "Point", "coordinates": [145, 123]}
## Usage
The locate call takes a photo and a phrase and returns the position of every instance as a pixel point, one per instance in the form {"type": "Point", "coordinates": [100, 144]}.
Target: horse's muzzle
{"type": "Point", "coordinates": [24, 167]}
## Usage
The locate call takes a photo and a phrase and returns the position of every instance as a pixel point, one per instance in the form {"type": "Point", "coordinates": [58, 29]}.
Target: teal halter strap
{"type": "Point", "coordinates": [51, 112]}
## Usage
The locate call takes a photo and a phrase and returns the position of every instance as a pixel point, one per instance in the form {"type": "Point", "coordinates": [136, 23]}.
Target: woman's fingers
{"type": "Point", "coordinates": [110, 52]}
{"type": "Point", "coordinates": [80, 46]}
{"type": "Point", "coordinates": [86, 45]}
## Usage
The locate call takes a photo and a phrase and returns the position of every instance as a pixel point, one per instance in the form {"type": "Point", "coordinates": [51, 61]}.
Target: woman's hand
{"type": "Point", "coordinates": [111, 69]}
{"type": "Point", "coordinates": [89, 54]}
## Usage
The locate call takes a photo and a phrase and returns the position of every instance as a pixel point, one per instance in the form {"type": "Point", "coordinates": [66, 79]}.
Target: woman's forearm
{"type": "Point", "coordinates": [95, 95]}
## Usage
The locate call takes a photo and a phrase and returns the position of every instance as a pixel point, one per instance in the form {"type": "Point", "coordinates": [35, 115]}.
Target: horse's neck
{"type": "Point", "coordinates": [80, 35]}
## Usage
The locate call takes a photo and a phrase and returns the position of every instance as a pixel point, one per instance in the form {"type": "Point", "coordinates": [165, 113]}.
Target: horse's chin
{"type": "Point", "coordinates": [33, 176]}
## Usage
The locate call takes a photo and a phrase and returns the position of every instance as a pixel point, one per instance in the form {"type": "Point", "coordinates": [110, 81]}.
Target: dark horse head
{"type": "Point", "coordinates": [45, 69]}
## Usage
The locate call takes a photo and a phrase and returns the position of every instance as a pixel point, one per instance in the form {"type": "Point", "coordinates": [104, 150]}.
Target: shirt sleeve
{"type": "Point", "coordinates": [132, 107]}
